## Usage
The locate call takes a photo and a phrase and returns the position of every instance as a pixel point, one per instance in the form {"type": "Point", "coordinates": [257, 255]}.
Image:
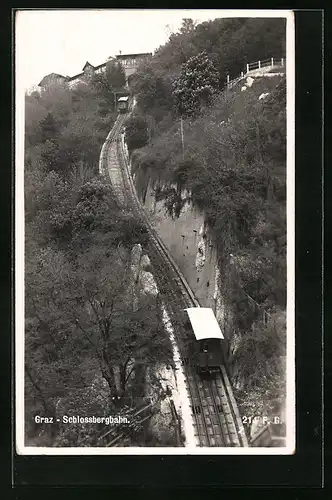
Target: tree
{"type": "Point", "coordinates": [188, 26]}
{"type": "Point", "coordinates": [122, 324]}
{"type": "Point", "coordinates": [230, 44]}
{"type": "Point", "coordinates": [103, 92]}
{"type": "Point", "coordinates": [115, 75]}
{"type": "Point", "coordinates": [50, 155]}
{"type": "Point", "coordinates": [180, 46]}
{"type": "Point", "coordinates": [105, 85]}
{"type": "Point", "coordinates": [50, 363]}
{"type": "Point", "coordinates": [82, 313]}
{"type": "Point", "coordinates": [49, 128]}
{"type": "Point", "coordinates": [136, 132]}
{"type": "Point", "coordinates": [195, 87]}
{"type": "Point", "coordinates": [259, 353]}
{"type": "Point", "coordinates": [153, 91]}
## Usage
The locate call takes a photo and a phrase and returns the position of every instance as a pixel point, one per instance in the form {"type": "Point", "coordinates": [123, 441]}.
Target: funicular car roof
{"type": "Point", "coordinates": [204, 323]}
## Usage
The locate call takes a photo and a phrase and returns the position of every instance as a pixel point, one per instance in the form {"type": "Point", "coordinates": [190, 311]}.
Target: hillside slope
{"type": "Point", "coordinates": [228, 165]}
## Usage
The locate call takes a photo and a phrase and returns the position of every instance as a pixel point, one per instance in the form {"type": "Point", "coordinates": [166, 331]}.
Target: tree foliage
{"type": "Point", "coordinates": [229, 44]}
{"type": "Point", "coordinates": [259, 368]}
{"type": "Point", "coordinates": [153, 91]}
{"type": "Point", "coordinates": [115, 75]}
{"type": "Point", "coordinates": [84, 320]}
{"type": "Point", "coordinates": [136, 132]}
{"type": "Point", "coordinates": [234, 169]}
{"type": "Point", "coordinates": [106, 84]}
{"type": "Point", "coordinates": [64, 129]}
{"type": "Point", "coordinates": [196, 85]}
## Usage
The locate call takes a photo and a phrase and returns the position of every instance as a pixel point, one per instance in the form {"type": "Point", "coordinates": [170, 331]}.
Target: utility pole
{"type": "Point", "coordinates": [182, 138]}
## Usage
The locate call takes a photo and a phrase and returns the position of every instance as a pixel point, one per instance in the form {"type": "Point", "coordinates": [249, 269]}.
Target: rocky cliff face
{"type": "Point", "coordinates": [188, 242]}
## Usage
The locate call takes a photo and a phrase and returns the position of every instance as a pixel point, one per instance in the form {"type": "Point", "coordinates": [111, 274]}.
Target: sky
{"type": "Point", "coordinates": [61, 41]}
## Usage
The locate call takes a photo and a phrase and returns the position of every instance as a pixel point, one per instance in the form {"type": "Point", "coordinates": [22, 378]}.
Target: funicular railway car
{"type": "Point", "coordinates": [206, 351]}
{"type": "Point", "coordinates": [123, 103]}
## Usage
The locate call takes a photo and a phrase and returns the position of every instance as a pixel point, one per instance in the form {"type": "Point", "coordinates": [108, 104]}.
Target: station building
{"type": "Point", "coordinates": [130, 63]}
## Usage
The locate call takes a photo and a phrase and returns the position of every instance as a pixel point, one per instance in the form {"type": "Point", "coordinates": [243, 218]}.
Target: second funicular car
{"type": "Point", "coordinates": [123, 103]}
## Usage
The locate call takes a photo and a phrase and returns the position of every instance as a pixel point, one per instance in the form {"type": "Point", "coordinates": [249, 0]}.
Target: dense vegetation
{"type": "Point", "coordinates": [230, 163]}
{"type": "Point", "coordinates": [229, 45]}
{"type": "Point", "coordinates": [90, 332]}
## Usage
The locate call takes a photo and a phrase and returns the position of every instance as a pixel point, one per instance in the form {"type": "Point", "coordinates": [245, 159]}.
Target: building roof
{"type": "Point", "coordinates": [123, 99]}
{"type": "Point", "coordinates": [88, 64]}
{"type": "Point", "coordinates": [75, 76]}
{"type": "Point", "coordinates": [71, 78]}
{"type": "Point", "coordinates": [79, 75]}
{"type": "Point", "coordinates": [204, 323]}
{"type": "Point", "coordinates": [52, 75]}
{"type": "Point", "coordinates": [124, 56]}
{"type": "Point", "coordinates": [100, 65]}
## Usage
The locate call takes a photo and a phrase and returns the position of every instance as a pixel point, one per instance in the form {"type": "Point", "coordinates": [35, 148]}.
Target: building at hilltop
{"type": "Point", "coordinates": [130, 63]}
{"type": "Point", "coordinates": [53, 79]}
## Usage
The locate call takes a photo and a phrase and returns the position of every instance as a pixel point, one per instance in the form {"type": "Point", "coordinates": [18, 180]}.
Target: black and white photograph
{"type": "Point", "coordinates": [154, 232]}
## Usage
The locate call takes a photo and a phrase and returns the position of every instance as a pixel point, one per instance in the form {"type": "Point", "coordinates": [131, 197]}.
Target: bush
{"type": "Point", "coordinates": [259, 366]}
{"type": "Point", "coordinates": [136, 132]}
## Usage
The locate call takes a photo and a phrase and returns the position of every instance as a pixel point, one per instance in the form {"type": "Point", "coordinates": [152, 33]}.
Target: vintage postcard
{"type": "Point", "coordinates": [154, 203]}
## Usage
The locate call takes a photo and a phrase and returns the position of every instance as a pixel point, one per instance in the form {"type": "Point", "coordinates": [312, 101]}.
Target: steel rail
{"type": "Point", "coordinates": [193, 301]}
{"type": "Point", "coordinates": [170, 273]}
{"type": "Point", "coordinates": [175, 307]}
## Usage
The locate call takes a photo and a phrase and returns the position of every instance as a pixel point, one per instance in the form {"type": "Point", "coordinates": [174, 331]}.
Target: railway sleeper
{"type": "Point", "coordinates": [219, 441]}
{"type": "Point", "coordinates": [203, 442]}
{"type": "Point", "coordinates": [197, 410]}
{"type": "Point", "coordinates": [227, 440]}
{"type": "Point", "coordinates": [201, 430]}
{"type": "Point", "coordinates": [214, 419]}
{"type": "Point", "coordinates": [233, 435]}
{"type": "Point", "coordinates": [206, 411]}
{"type": "Point", "coordinates": [229, 419]}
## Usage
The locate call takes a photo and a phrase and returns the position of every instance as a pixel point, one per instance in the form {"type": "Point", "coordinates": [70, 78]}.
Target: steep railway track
{"type": "Point", "coordinates": [215, 415]}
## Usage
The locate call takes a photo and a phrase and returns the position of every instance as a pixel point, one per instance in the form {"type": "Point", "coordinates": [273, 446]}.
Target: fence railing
{"type": "Point", "coordinates": [266, 63]}
{"type": "Point", "coordinates": [114, 435]}
{"type": "Point", "coordinates": [263, 64]}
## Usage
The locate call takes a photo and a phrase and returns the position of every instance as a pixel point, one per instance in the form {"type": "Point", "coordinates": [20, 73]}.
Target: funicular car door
{"type": "Point", "coordinates": [203, 355]}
